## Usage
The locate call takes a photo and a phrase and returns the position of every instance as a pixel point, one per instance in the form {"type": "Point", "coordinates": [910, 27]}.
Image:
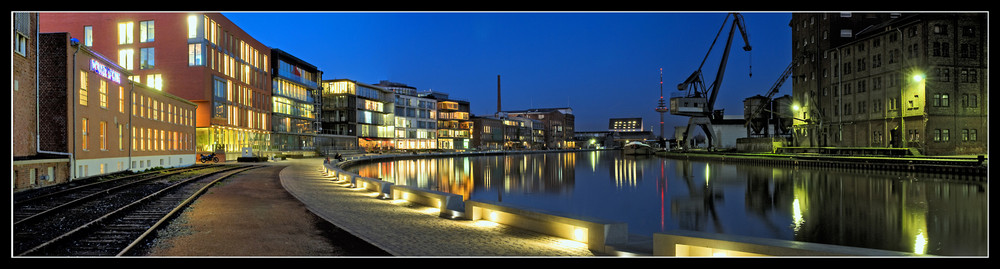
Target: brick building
{"type": "Point", "coordinates": [33, 165]}
{"type": "Point", "coordinates": [892, 80]}
{"type": "Point", "coordinates": [105, 121]}
{"type": "Point", "coordinates": [200, 57]}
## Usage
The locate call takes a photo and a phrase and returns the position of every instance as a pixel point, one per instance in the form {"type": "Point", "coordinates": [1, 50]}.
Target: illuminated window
{"type": "Point", "coordinates": [146, 31]}
{"type": "Point", "coordinates": [121, 99]}
{"type": "Point", "coordinates": [154, 81]}
{"type": "Point", "coordinates": [125, 58]}
{"type": "Point", "coordinates": [103, 132]}
{"type": "Point", "coordinates": [83, 87]}
{"type": "Point", "coordinates": [125, 33]}
{"type": "Point", "coordinates": [192, 22]}
{"type": "Point", "coordinates": [103, 90]}
{"type": "Point", "coordinates": [83, 130]}
{"type": "Point", "coordinates": [121, 137]}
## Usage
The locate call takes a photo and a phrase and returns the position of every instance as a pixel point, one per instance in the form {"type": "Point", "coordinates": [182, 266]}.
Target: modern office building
{"type": "Point", "coordinates": [454, 125]}
{"type": "Point", "coordinates": [415, 117]}
{"type": "Point", "coordinates": [105, 122]}
{"type": "Point", "coordinates": [295, 97]}
{"type": "Point", "coordinates": [558, 122]}
{"type": "Point", "coordinates": [359, 115]}
{"type": "Point", "coordinates": [894, 80]}
{"type": "Point", "coordinates": [201, 57]}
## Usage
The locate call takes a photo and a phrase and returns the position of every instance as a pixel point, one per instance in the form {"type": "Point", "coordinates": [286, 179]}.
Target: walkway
{"type": "Point", "coordinates": [409, 230]}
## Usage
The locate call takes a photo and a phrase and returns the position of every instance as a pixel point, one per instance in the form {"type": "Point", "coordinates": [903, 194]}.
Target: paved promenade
{"type": "Point", "coordinates": [408, 230]}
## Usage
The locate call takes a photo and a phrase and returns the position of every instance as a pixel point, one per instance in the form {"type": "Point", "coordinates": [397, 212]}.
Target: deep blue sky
{"type": "Point", "coordinates": [602, 65]}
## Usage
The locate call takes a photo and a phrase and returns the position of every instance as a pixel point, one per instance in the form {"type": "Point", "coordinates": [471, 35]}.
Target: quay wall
{"type": "Point", "coordinates": [971, 169]}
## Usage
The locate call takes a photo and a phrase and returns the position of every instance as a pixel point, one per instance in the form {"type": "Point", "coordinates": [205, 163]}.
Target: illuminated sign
{"type": "Point", "coordinates": [105, 71]}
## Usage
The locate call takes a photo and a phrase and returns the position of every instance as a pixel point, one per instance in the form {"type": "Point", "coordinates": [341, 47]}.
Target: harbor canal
{"type": "Point", "coordinates": [923, 213]}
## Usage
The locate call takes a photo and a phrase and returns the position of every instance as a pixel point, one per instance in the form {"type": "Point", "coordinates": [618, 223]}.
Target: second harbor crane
{"type": "Point", "coordinates": [699, 103]}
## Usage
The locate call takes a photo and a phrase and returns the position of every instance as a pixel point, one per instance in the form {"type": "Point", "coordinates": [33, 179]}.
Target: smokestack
{"type": "Point", "coordinates": [498, 95]}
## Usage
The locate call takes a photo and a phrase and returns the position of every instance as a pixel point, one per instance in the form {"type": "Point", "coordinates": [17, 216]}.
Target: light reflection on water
{"type": "Point", "coordinates": [909, 212]}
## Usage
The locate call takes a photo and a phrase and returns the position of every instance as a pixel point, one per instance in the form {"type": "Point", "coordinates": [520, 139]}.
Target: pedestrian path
{"type": "Point", "coordinates": [404, 229]}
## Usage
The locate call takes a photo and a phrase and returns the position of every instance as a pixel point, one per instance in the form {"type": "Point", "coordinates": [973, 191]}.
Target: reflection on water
{"type": "Point", "coordinates": [910, 212]}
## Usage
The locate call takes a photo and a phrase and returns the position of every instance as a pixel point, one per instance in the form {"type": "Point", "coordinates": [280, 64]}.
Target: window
{"type": "Point", "coordinates": [192, 22]}
{"type": "Point", "coordinates": [125, 58]}
{"type": "Point", "coordinates": [88, 36]}
{"type": "Point", "coordinates": [125, 33]}
{"type": "Point", "coordinates": [154, 81]}
{"type": "Point", "coordinates": [147, 58]}
{"type": "Point", "coordinates": [83, 87]}
{"type": "Point", "coordinates": [146, 31]}
{"type": "Point", "coordinates": [121, 99]}
{"type": "Point", "coordinates": [195, 55]}
{"type": "Point", "coordinates": [83, 130]}
{"type": "Point", "coordinates": [121, 138]}
{"type": "Point", "coordinates": [103, 91]}
{"type": "Point", "coordinates": [103, 135]}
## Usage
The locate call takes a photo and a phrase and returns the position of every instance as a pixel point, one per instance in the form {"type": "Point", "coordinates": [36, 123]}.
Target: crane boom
{"type": "Point", "coordinates": [774, 89]}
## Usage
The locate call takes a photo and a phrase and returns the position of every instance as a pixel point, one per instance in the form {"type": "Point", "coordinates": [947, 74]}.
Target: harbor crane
{"type": "Point", "coordinates": [699, 103]}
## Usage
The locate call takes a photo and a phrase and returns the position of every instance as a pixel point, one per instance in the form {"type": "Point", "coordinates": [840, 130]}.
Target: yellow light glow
{"type": "Point", "coordinates": [578, 234]}
{"type": "Point", "coordinates": [569, 244]}
{"type": "Point", "coordinates": [431, 210]}
{"type": "Point", "coordinates": [918, 78]}
{"type": "Point", "coordinates": [406, 196]}
{"type": "Point", "coordinates": [494, 217]}
{"type": "Point", "coordinates": [719, 253]}
{"type": "Point", "coordinates": [920, 246]}
{"type": "Point", "coordinates": [486, 224]}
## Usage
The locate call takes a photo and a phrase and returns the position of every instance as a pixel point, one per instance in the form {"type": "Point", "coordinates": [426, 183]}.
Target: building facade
{"type": "Point", "coordinates": [891, 80]}
{"type": "Point", "coordinates": [359, 113]}
{"type": "Point", "coordinates": [487, 133]}
{"type": "Point", "coordinates": [201, 57]}
{"type": "Point", "coordinates": [558, 122]}
{"type": "Point", "coordinates": [454, 125]}
{"type": "Point", "coordinates": [115, 124]}
{"type": "Point", "coordinates": [415, 117]}
{"type": "Point", "coordinates": [295, 97]}
{"type": "Point", "coordinates": [33, 164]}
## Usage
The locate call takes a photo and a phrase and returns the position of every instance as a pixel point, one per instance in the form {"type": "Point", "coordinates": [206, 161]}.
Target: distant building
{"type": "Point", "coordinates": [358, 115]}
{"type": "Point", "coordinates": [625, 124]}
{"type": "Point", "coordinates": [897, 80]}
{"type": "Point", "coordinates": [558, 122]}
{"type": "Point", "coordinates": [415, 117]}
{"type": "Point", "coordinates": [487, 133]}
{"type": "Point", "coordinates": [454, 127]}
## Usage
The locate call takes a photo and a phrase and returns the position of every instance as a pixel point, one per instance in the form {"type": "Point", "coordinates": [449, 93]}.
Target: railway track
{"type": "Point", "coordinates": [112, 219]}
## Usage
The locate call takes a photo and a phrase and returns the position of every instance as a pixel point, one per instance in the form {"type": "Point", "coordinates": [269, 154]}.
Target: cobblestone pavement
{"type": "Point", "coordinates": [411, 230]}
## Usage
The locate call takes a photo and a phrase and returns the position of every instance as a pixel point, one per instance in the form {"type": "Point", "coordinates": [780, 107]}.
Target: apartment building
{"type": "Point", "coordinates": [295, 98]}
{"type": "Point", "coordinates": [200, 57]}
{"type": "Point", "coordinates": [415, 117]}
{"type": "Point", "coordinates": [454, 127]}
{"type": "Point", "coordinates": [895, 80]}
{"type": "Point", "coordinates": [359, 115]}
{"type": "Point", "coordinates": [487, 133]}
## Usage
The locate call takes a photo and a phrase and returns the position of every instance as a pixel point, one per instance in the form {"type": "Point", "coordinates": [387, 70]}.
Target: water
{"type": "Point", "coordinates": [911, 212]}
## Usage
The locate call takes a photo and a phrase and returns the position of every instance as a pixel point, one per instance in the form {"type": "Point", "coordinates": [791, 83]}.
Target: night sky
{"type": "Point", "coordinates": [601, 64]}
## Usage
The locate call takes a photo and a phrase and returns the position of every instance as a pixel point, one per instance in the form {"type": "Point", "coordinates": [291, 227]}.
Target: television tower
{"type": "Point", "coordinates": [662, 108]}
